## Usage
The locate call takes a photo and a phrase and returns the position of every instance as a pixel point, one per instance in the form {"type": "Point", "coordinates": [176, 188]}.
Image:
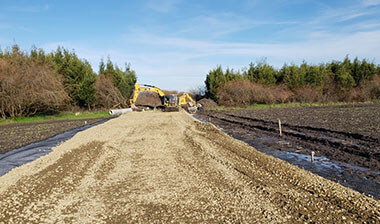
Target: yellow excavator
{"type": "Point", "coordinates": [169, 103]}
{"type": "Point", "coordinates": [188, 103]}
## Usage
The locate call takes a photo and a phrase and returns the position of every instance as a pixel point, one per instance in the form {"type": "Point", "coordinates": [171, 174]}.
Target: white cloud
{"type": "Point", "coordinates": [371, 2]}
{"type": "Point", "coordinates": [217, 25]}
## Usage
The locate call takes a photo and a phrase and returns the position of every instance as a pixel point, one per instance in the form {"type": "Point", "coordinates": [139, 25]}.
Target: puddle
{"type": "Point", "coordinates": [199, 118]}
{"type": "Point", "coordinates": [343, 173]}
{"type": "Point", "coordinates": [33, 151]}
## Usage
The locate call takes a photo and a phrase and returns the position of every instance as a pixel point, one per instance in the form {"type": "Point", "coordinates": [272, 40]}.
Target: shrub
{"type": "Point", "coordinates": [307, 94]}
{"type": "Point", "coordinates": [27, 87]}
{"type": "Point", "coordinates": [370, 90]}
{"type": "Point", "coordinates": [107, 95]}
{"type": "Point", "coordinates": [242, 92]}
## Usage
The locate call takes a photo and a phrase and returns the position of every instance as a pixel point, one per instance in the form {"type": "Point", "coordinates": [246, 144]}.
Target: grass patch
{"type": "Point", "coordinates": [60, 116]}
{"type": "Point", "coordinates": [288, 105]}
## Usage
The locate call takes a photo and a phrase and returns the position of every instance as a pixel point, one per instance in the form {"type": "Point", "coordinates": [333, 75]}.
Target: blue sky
{"type": "Point", "coordinates": [174, 43]}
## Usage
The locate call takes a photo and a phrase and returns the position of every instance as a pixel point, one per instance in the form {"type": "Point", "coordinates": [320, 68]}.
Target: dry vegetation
{"type": "Point", "coordinates": [243, 92]}
{"type": "Point", "coordinates": [107, 94]}
{"type": "Point", "coordinates": [27, 87]}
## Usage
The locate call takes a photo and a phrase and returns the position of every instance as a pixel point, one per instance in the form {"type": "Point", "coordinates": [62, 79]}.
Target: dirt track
{"type": "Point", "coordinates": [162, 167]}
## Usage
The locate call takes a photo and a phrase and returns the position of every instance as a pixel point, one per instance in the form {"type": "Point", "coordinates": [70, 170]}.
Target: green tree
{"type": "Point", "coordinates": [367, 71]}
{"type": "Point", "coordinates": [343, 78]}
{"type": "Point", "coordinates": [294, 76]}
{"type": "Point", "coordinates": [102, 67]}
{"type": "Point", "coordinates": [131, 79]}
{"type": "Point", "coordinates": [315, 74]}
{"type": "Point", "coordinates": [124, 81]}
{"type": "Point", "coordinates": [78, 77]}
{"type": "Point", "coordinates": [262, 73]}
{"type": "Point", "coordinates": [214, 79]}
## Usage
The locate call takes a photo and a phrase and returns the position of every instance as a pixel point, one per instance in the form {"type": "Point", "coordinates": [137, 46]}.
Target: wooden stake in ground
{"type": "Point", "coordinates": [312, 156]}
{"type": "Point", "coordinates": [279, 126]}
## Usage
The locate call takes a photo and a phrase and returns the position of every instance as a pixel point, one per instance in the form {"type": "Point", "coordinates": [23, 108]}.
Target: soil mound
{"type": "Point", "coordinates": [148, 99]}
{"type": "Point", "coordinates": [207, 103]}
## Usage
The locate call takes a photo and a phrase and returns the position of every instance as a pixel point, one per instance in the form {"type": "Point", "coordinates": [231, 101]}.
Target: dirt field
{"type": "Point", "coordinates": [166, 167]}
{"type": "Point", "coordinates": [16, 135]}
{"type": "Point", "coordinates": [348, 134]}
{"type": "Point", "coordinates": [358, 119]}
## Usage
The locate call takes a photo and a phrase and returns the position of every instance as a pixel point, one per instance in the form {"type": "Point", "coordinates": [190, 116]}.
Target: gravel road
{"type": "Point", "coordinates": [155, 167]}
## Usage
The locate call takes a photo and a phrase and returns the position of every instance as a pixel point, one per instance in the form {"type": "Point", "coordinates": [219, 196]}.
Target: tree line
{"type": "Point", "coordinates": [347, 80]}
{"type": "Point", "coordinates": [37, 82]}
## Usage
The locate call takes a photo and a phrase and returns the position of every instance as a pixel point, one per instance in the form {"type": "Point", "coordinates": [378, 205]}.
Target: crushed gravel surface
{"type": "Point", "coordinates": [167, 167]}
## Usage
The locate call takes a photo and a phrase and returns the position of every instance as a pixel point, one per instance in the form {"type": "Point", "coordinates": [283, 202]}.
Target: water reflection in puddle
{"type": "Point", "coordinates": [346, 174]}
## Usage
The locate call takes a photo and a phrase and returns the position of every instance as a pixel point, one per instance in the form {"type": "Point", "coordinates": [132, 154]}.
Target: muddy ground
{"type": "Point", "coordinates": [361, 119]}
{"type": "Point", "coordinates": [167, 167]}
{"type": "Point", "coordinates": [347, 135]}
{"type": "Point", "coordinates": [17, 135]}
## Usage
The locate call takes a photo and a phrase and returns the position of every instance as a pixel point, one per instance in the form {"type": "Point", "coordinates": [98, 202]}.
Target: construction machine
{"type": "Point", "coordinates": [165, 105]}
{"type": "Point", "coordinates": [168, 103]}
{"type": "Point", "coordinates": [187, 102]}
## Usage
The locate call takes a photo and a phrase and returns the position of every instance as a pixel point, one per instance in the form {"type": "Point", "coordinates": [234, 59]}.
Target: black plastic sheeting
{"type": "Point", "coordinates": [33, 151]}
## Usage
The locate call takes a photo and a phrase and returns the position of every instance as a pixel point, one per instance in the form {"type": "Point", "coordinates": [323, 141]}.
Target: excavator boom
{"type": "Point", "coordinates": [149, 88]}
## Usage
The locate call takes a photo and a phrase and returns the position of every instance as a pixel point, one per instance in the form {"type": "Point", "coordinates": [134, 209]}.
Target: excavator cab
{"type": "Point", "coordinates": [173, 100]}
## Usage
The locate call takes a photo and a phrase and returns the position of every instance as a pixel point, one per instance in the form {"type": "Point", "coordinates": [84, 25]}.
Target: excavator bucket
{"type": "Point", "coordinates": [192, 110]}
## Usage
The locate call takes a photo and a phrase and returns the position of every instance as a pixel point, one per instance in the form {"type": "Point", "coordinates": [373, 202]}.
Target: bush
{"type": "Point", "coordinates": [27, 87]}
{"type": "Point", "coordinates": [307, 94]}
{"type": "Point", "coordinates": [107, 95]}
{"type": "Point", "coordinates": [243, 92]}
{"type": "Point", "coordinates": [370, 90]}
